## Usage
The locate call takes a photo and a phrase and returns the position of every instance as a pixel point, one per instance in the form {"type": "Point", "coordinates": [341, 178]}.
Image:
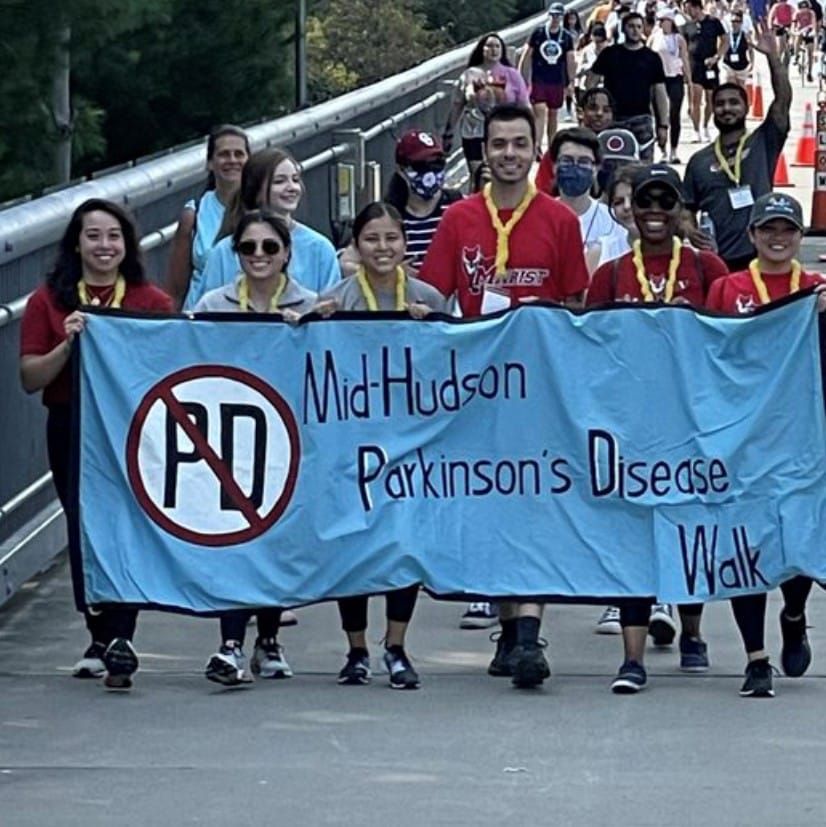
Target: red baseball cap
{"type": "Point", "coordinates": [416, 146]}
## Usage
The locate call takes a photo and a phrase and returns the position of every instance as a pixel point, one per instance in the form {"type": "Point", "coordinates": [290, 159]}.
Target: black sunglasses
{"type": "Point", "coordinates": [269, 246]}
{"type": "Point", "coordinates": [665, 200]}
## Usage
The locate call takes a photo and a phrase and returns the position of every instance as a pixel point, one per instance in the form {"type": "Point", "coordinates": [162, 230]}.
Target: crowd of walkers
{"type": "Point", "coordinates": [595, 222]}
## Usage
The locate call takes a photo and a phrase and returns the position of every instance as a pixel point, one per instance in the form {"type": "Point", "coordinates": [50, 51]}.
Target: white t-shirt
{"type": "Point", "coordinates": [596, 222]}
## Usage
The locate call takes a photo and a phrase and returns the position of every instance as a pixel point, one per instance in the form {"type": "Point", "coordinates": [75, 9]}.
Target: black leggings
{"type": "Point", "coordinates": [750, 611]}
{"type": "Point", "coordinates": [400, 604]}
{"type": "Point", "coordinates": [104, 626]}
{"type": "Point", "coordinates": [634, 611]}
{"type": "Point", "coordinates": [234, 624]}
{"type": "Point", "coordinates": [675, 89]}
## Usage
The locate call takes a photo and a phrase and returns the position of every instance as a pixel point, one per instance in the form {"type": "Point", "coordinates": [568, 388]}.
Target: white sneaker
{"type": "Point", "coordinates": [664, 158]}
{"type": "Point", "coordinates": [661, 625]}
{"type": "Point", "coordinates": [609, 622]}
{"type": "Point", "coordinates": [268, 660]}
{"type": "Point", "coordinates": [121, 662]}
{"type": "Point", "coordinates": [479, 616]}
{"type": "Point", "coordinates": [228, 666]}
{"type": "Point", "coordinates": [288, 618]}
{"type": "Point", "coordinates": [698, 138]}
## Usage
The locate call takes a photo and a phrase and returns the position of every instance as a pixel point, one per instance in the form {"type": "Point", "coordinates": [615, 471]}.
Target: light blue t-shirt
{"type": "Point", "coordinates": [313, 264]}
{"type": "Point", "coordinates": [208, 218]}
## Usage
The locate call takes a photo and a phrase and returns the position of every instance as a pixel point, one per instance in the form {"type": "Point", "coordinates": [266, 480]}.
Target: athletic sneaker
{"type": "Point", "coordinates": [502, 664]}
{"type": "Point", "coordinates": [664, 157]}
{"type": "Point", "coordinates": [479, 616]}
{"type": "Point", "coordinates": [530, 667]}
{"type": "Point", "coordinates": [661, 625]}
{"type": "Point", "coordinates": [91, 664]}
{"type": "Point", "coordinates": [121, 662]}
{"type": "Point", "coordinates": [698, 138]}
{"type": "Point", "coordinates": [796, 654]}
{"type": "Point", "coordinates": [288, 618]}
{"type": "Point", "coordinates": [706, 135]}
{"type": "Point", "coordinates": [693, 654]}
{"type": "Point", "coordinates": [228, 666]}
{"type": "Point", "coordinates": [674, 159]}
{"type": "Point", "coordinates": [268, 660]}
{"type": "Point", "coordinates": [402, 673]}
{"type": "Point", "coordinates": [630, 679]}
{"type": "Point", "coordinates": [356, 671]}
{"type": "Point", "coordinates": [609, 622]}
{"type": "Point", "coordinates": [758, 683]}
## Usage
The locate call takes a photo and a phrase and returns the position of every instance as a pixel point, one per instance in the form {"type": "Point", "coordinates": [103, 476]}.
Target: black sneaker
{"type": "Point", "coordinates": [356, 672]}
{"type": "Point", "coordinates": [91, 664]}
{"type": "Point", "coordinates": [661, 625]}
{"type": "Point", "coordinates": [502, 664]}
{"type": "Point", "coordinates": [630, 679]}
{"type": "Point", "coordinates": [530, 667]}
{"type": "Point", "coordinates": [758, 683]}
{"type": "Point", "coordinates": [402, 673]}
{"type": "Point", "coordinates": [796, 654]}
{"type": "Point", "coordinates": [693, 654]}
{"type": "Point", "coordinates": [121, 663]}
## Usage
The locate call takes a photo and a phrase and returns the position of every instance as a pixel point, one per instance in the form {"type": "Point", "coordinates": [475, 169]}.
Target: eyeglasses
{"type": "Point", "coordinates": [567, 161]}
{"type": "Point", "coordinates": [665, 200]}
{"type": "Point", "coordinates": [269, 246]}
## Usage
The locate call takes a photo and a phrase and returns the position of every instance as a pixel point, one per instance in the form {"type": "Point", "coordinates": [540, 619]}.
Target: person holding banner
{"type": "Point", "coordinates": [271, 180]}
{"type": "Point", "coordinates": [496, 249]}
{"type": "Point", "coordinates": [659, 269]}
{"type": "Point", "coordinates": [776, 230]}
{"type": "Point", "coordinates": [262, 242]}
{"type": "Point", "coordinates": [228, 149]}
{"type": "Point", "coordinates": [98, 265]}
{"type": "Point", "coordinates": [380, 284]}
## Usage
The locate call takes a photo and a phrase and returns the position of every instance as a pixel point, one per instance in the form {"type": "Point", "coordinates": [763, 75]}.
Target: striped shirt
{"type": "Point", "coordinates": [421, 229]}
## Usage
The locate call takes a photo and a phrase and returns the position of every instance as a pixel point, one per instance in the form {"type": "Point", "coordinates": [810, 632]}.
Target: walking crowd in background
{"type": "Point", "coordinates": [560, 147]}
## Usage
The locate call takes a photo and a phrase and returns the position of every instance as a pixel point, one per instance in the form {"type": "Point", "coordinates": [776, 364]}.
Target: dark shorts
{"type": "Point", "coordinates": [551, 94]}
{"type": "Point", "coordinates": [472, 147]}
{"type": "Point", "coordinates": [700, 77]}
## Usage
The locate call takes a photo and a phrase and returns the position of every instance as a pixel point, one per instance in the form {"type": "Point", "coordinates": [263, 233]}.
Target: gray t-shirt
{"type": "Point", "coordinates": [349, 296]}
{"type": "Point", "coordinates": [707, 187]}
{"type": "Point", "coordinates": [225, 299]}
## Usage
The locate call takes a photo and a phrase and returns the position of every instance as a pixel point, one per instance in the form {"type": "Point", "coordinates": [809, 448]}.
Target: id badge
{"type": "Point", "coordinates": [740, 197]}
{"type": "Point", "coordinates": [494, 299]}
{"type": "Point", "coordinates": [711, 74]}
{"type": "Point", "coordinates": [734, 57]}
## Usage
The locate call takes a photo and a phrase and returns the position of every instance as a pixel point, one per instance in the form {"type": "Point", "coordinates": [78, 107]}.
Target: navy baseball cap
{"type": "Point", "coordinates": [660, 175]}
{"type": "Point", "coordinates": [776, 205]}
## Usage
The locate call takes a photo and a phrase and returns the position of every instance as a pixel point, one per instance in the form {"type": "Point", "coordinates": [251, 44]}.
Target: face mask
{"type": "Point", "coordinates": [425, 184]}
{"type": "Point", "coordinates": [573, 180]}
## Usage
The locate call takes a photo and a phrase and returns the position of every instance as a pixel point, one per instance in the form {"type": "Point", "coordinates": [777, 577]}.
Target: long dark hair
{"type": "Point", "coordinates": [67, 272]}
{"type": "Point", "coordinates": [477, 56]}
{"type": "Point", "coordinates": [220, 132]}
{"type": "Point", "coordinates": [257, 172]}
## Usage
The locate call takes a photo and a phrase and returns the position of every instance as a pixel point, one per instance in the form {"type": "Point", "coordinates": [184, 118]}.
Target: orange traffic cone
{"type": "Point", "coordinates": [804, 155]}
{"type": "Point", "coordinates": [781, 173]}
{"type": "Point", "coordinates": [757, 100]}
{"type": "Point", "coordinates": [749, 93]}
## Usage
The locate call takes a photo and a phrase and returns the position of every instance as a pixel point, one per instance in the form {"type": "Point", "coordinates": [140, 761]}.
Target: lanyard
{"type": "Point", "coordinates": [738, 159]}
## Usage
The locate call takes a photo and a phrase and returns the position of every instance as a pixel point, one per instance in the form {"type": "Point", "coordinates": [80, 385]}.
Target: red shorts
{"type": "Point", "coordinates": [551, 94]}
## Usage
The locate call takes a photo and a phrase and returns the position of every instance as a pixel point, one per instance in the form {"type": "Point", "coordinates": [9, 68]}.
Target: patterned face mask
{"type": "Point", "coordinates": [425, 184]}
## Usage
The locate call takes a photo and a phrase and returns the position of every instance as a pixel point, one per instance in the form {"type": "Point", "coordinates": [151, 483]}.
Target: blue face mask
{"type": "Point", "coordinates": [425, 184]}
{"type": "Point", "coordinates": [574, 180]}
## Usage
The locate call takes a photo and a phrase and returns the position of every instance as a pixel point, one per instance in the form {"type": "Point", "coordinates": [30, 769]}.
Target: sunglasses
{"type": "Point", "coordinates": [269, 246]}
{"type": "Point", "coordinates": [664, 200]}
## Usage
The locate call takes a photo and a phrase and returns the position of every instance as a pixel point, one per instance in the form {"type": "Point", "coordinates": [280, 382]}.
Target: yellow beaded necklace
{"type": "Point", "coordinates": [370, 296]}
{"type": "Point", "coordinates": [673, 266]}
{"type": "Point", "coordinates": [244, 294]}
{"type": "Point", "coordinates": [503, 231]}
{"type": "Point", "coordinates": [760, 285]}
{"type": "Point", "coordinates": [117, 294]}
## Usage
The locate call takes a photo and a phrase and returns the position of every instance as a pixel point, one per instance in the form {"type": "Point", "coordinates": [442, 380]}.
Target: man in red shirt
{"type": "Point", "coordinates": [776, 230]}
{"type": "Point", "coordinates": [506, 245]}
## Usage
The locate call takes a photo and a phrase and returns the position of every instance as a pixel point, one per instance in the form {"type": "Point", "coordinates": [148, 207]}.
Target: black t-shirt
{"type": "Point", "coordinates": [629, 75]}
{"type": "Point", "coordinates": [702, 38]}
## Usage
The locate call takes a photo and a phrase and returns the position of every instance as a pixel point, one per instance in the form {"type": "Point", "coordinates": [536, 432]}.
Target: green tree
{"type": "Point", "coordinates": [461, 20]}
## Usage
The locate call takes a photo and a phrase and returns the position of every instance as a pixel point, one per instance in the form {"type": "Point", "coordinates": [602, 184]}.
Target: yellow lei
{"type": "Point", "coordinates": [117, 295]}
{"type": "Point", "coordinates": [503, 231]}
{"type": "Point", "coordinates": [734, 176]}
{"type": "Point", "coordinates": [244, 294]}
{"type": "Point", "coordinates": [760, 285]}
{"type": "Point", "coordinates": [673, 266]}
{"type": "Point", "coordinates": [370, 296]}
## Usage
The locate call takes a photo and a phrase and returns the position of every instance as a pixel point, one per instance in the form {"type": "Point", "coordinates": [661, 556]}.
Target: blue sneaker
{"type": "Point", "coordinates": [630, 679]}
{"type": "Point", "coordinates": [796, 655]}
{"type": "Point", "coordinates": [693, 654]}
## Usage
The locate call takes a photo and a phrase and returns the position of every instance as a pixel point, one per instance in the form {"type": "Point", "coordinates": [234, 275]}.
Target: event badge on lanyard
{"type": "Point", "coordinates": [550, 50]}
{"type": "Point", "coordinates": [740, 197]}
{"type": "Point", "coordinates": [734, 52]}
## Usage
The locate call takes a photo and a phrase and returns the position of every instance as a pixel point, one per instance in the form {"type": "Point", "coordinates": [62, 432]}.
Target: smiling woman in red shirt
{"type": "Point", "coordinates": [98, 265]}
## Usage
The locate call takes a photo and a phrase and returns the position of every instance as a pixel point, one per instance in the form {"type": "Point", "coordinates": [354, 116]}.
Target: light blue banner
{"type": "Point", "coordinates": [628, 451]}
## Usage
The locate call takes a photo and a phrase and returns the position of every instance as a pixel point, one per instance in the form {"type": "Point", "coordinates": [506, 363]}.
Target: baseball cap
{"type": "Point", "coordinates": [416, 146]}
{"type": "Point", "coordinates": [776, 205]}
{"type": "Point", "coordinates": [557, 9]}
{"type": "Point", "coordinates": [618, 144]}
{"type": "Point", "coordinates": [666, 14]}
{"type": "Point", "coordinates": [661, 175]}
